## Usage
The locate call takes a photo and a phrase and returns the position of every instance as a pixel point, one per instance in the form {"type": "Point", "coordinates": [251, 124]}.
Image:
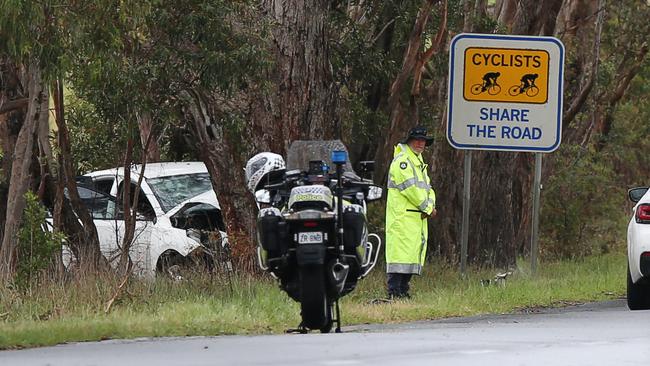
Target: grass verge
{"type": "Point", "coordinates": [57, 313]}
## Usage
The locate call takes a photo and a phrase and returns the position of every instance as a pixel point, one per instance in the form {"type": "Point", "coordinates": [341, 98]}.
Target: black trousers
{"type": "Point", "coordinates": [398, 283]}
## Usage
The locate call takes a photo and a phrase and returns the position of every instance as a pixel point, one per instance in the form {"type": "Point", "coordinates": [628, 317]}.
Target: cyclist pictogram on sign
{"type": "Point", "coordinates": [488, 85]}
{"type": "Point", "coordinates": [506, 75]}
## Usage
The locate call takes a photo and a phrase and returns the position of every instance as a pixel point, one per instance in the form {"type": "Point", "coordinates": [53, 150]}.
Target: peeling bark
{"type": "Point", "coordinates": [220, 156]}
{"type": "Point", "coordinates": [306, 101]}
{"type": "Point", "coordinates": [20, 170]}
{"type": "Point", "coordinates": [504, 12]}
{"type": "Point", "coordinates": [587, 79]}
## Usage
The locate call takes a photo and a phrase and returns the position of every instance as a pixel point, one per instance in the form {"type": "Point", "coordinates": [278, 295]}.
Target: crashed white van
{"type": "Point", "coordinates": [178, 222]}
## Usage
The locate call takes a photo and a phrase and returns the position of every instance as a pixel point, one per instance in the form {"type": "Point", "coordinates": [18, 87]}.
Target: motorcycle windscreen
{"type": "Point", "coordinates": [301, 152]}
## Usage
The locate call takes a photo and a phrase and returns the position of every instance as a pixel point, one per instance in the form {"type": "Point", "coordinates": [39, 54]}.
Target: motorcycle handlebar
{"type": "Point", "coordinates": [348, 183]}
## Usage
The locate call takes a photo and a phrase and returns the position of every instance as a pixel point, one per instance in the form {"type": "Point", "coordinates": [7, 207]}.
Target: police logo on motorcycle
{"type": "Point", "coordinates": [402, 165]}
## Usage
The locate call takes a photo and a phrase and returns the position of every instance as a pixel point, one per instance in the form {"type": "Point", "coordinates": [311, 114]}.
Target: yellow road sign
{"type": "Point", "coordinates": [506, 75]}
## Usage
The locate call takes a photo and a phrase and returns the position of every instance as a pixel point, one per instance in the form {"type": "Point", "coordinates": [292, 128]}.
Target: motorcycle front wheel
{"type": "Point", "coordinates": [315, 309]}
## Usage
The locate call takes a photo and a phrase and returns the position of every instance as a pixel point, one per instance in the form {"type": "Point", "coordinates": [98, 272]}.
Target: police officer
{"type": "Point", "coordinates": [411, 200]}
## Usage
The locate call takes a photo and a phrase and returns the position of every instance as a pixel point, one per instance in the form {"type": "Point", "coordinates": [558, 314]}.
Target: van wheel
{"type": "Point", "coordinates": [171, 265]}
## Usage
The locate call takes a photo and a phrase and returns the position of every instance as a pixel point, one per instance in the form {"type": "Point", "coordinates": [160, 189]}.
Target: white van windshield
{"type": "Point", "coordinates": [173, 190]}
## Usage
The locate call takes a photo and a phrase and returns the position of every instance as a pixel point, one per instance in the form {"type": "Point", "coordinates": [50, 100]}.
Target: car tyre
{"type": "Point", "coordinates": [172, 265]}
{"type": "Point", "coordinates": [638, 295]}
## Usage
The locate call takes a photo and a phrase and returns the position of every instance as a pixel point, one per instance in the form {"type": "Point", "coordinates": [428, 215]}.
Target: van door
{"type": "Point", "coordinates": [144, 223]}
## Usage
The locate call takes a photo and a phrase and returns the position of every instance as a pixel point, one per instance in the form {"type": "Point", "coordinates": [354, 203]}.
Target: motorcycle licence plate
{"type": "Point", "coordinates": [310, 237]}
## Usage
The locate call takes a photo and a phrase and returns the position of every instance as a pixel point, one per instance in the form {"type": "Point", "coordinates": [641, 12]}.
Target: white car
{"type": "Point", "coordinates": [178, 221]}
{"type": "Point", "coordinates": [638, 250]}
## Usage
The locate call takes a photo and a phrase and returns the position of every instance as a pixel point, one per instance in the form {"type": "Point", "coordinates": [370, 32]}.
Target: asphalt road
{"type": "Point", "coordinates": [593, 334]}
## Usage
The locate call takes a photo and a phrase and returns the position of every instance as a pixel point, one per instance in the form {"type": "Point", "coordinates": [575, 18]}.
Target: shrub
{"type": "Point", "coordinates": [36, 245]}
{"type": "Point", "coordinates": [581, 212]}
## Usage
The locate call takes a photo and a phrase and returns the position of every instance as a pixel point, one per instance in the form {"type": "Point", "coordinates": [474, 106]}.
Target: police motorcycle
{"type": "Point", "coordinates": [316, 247]}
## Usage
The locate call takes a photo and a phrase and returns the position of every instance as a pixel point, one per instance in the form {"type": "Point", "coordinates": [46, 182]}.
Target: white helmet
{"type": "Point", "coordinates": [259, 166]}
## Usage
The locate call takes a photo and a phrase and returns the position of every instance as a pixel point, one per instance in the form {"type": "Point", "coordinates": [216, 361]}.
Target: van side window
{"type": "Point", "coordinates": [96, 202]}
{"type": "Point", "coordinates": [143, 206]}
{"type": "Point", "coordinates": [104, 185]}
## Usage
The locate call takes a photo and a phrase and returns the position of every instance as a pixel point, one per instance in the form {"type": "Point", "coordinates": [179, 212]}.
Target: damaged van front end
{"type": "Point", "coordinates": [179, 225]}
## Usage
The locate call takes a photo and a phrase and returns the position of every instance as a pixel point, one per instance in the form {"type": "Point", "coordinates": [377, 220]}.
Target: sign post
{"type": "Point", "coordinates": [505, 94]}
{"type": "Point", "coordinates": [534, 237]}
{"type": "Point", "coordinates": [467, 178]}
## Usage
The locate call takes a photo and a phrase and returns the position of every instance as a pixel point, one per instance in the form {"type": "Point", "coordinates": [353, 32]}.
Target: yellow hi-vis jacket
{"type": "Point", "coordinates": [409, 195]}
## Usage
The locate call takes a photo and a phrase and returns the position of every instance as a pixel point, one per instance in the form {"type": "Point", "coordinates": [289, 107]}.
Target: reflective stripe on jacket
{"type": "Point", "coordinates": [409, 195]}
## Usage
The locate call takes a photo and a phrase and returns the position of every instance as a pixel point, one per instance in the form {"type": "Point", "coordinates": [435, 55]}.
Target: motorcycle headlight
{"type": "Point", "coordinates": [374, 193]}
{"type": "Point", "coordinates": [263, 196]}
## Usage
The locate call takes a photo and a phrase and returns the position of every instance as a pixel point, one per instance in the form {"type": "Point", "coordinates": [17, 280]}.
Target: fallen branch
{"type": "Point", "coordinates": [118, 291]}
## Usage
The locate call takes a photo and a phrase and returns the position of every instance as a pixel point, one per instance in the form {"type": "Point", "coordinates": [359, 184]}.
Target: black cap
{"type": "Point", "coordinates": [419, 132]}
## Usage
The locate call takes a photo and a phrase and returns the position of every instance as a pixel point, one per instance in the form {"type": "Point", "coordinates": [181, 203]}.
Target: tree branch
{"type": "Point", "coordinates": [426, 55]}
{"type": "Point", "coordinates": [411, 54]}
{"type": "Point", "coordinates": [584, 93]}
{"type": "Point", "coordinates": [12, 105]}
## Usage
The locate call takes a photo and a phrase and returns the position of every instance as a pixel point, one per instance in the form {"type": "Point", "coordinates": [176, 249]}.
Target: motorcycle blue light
{"type": "Point", "coordinates": [339, 157]}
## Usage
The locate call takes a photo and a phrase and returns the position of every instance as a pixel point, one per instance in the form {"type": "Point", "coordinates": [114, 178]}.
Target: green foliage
{"type": "Point", "coordinates": [97, 143]}
{"type": "Point", "coordinates": [368, 44]}
{"type": "Point", "coordinates": [628, 142]}
{"type": "Point", "coordinates": [28, 30]}
{"type": "Point", "coordinates": [582, 211]}
{"type": "Point", "coordinates": [363, 63]}
{"type": "Point", "coordinates": [36, 246]}
{"type": "Point", "coordinates": [163, 49]}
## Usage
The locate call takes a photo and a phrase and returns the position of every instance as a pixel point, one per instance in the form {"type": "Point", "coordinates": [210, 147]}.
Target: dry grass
{"type": "Point", "coordinates": [75, 311]}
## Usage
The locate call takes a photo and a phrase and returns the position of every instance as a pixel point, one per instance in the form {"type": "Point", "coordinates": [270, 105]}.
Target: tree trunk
{"type": "Point", "coordinates": [224, 163]}
{"type": "Point", "coordinates": [86, 247]}
{"type": "Point", "coordinates": [504, 12]}
{"type": "Point", "coordinates": [305, 103]}
{"type": "Point", "coordinates": [401, 117]}
{"type": "Point", "coordinates": [20, 169]}
{"type": "Point", "coordinates": [146, 127]}
{"type": "Point", "coordinates": [12, 115]}
{"type": "Point", "coordinates": [473, 10]}
{"type": "Point", "coordinates": [128, 211]}
{"type": "Point", "coordinates": [130, 203]}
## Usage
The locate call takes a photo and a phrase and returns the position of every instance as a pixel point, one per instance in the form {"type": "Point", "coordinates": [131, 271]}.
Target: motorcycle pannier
{"type": "Point", "coordinates": [354, 222]}
{"type": "Point", "coordinates": [270, 226]}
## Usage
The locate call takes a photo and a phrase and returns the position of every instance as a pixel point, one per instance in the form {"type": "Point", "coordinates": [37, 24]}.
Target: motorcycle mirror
{"type": "Point", "coordinates": [263, 196]}
{"type": "Point", "coordinates": [374, 193]}
{"type": "Point", "coordinates": [367, 166]}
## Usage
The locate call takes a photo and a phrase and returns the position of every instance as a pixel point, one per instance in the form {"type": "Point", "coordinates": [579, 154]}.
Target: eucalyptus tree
{"type": "Point", "coordinates": [35, 41]}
